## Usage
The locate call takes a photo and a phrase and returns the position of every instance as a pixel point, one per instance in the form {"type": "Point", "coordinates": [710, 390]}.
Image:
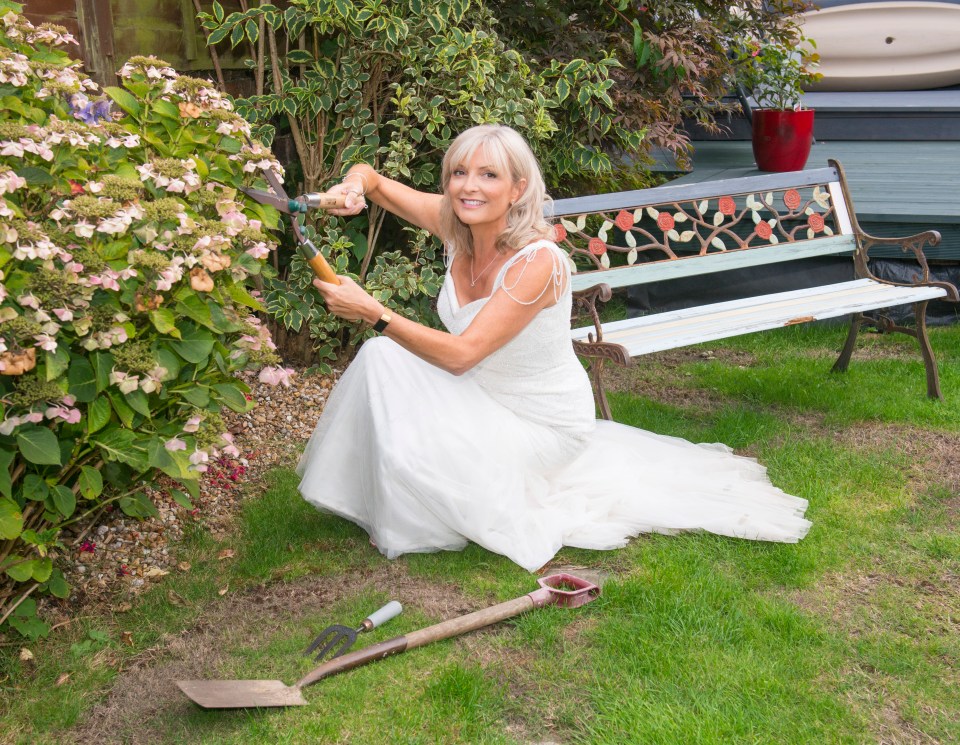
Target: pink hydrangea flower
{"type": "Point", "coordinates": [276, 375]}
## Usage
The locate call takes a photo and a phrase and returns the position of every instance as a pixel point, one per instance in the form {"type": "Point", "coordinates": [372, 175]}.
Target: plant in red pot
{"type": "Point", "coordinates": [775, 74]}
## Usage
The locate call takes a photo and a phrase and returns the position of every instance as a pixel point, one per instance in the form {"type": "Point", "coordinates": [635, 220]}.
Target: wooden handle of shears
{"type": "Point", "coordinates": [316, 261]}
{"type": "Point", "coordinates": [322, 269]}
{"type": "Point", "coordinates": [323, 201]}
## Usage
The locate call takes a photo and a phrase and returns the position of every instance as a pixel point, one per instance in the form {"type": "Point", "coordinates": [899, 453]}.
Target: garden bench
{"type": "Point", "coordinates": [630, 238]}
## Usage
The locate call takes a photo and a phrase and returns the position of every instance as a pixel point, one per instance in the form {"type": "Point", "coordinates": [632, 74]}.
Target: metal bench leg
{"type": "Point", "coordinates": [933, 378]}
{"type": "Point", "coordinates": [599, 394]}
{"type": "Point", "coordinates": [843, 361]}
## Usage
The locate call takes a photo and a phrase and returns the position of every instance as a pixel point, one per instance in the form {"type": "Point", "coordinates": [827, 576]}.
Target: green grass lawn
{"type": "Point", "coordinates": [848, 636]}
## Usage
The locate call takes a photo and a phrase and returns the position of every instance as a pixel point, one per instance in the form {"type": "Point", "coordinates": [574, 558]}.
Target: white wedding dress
{"type": "Point", "coordinates": [510, 454]}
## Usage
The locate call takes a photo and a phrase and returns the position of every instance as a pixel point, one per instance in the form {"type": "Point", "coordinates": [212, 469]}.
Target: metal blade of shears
{"type": "Point", "coordinates": [283, 204]}
{"type": "Point", "coordinates": [312, 254]}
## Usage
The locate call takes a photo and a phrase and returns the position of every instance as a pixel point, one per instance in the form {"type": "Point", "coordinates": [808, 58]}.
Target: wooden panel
{"type": "Point", "coordinates": [722, 320]}
{"type": "Point", "coordinates": [61, 12]}
{"type": "Point", "coordinates": [715, 262]}
{"type": "Point", "coordinates": [888, 180]}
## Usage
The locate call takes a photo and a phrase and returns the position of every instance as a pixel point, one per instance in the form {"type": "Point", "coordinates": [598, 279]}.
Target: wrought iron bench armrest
{"type": "Point", "coordinates": [913, 244]}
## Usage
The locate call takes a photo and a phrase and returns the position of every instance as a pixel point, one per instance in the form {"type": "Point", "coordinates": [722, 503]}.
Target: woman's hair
{"type": "Point", "coordinates": [508, 153]}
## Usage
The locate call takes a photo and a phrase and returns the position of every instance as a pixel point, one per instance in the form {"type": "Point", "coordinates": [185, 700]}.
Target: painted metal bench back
{"type": "Point", "coordinates": [671, 231]}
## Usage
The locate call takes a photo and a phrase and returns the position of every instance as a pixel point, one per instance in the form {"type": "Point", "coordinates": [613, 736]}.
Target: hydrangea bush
{"type": "Point", "coordinates": [126, 259]}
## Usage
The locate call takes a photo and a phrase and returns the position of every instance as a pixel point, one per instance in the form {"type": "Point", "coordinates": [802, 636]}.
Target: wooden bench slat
{"type": "Point", "coordinates": [722, 320]}
{"type": "Point", "coordinates": [690, 191]}
{"type": "Point", "coordinates": [657, 271]}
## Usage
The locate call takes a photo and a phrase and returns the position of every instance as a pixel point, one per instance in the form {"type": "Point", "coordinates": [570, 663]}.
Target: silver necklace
{"type": "Point", "coordinates": [475, 279]}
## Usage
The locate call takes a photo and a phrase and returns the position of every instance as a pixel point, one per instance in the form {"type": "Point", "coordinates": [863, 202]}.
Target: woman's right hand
{"type": "Point", "coordinates": [352, 189]}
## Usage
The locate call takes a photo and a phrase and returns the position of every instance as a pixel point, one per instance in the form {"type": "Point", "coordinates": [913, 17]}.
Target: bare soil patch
{"type": "Point", "coordinates": [657, 376]}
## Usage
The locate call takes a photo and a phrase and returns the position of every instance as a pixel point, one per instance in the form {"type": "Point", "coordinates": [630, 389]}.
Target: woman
{"type": "Point", "coordinates": [487, 432]}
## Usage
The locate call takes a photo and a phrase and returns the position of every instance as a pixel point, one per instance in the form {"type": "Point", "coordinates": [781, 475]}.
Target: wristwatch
{"type": "Point", "coordinates": [381, 324]}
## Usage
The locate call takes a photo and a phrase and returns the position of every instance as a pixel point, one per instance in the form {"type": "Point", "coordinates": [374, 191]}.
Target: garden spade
{"type": "Point", "coordinates": [563, 590]}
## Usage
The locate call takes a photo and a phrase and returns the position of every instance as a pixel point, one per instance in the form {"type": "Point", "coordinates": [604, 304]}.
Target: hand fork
{"type": "Point", "coordinates": [338, 639]}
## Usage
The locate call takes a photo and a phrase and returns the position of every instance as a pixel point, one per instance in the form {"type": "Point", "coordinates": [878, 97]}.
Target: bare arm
{"type": "Point", "coordinates": [418, 207]}
{"type": "Point", "coordinates": [532, 288]}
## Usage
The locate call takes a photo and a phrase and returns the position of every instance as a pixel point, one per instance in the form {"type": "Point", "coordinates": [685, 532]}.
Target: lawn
{"type": "Point", "coordinates": [849, 636]}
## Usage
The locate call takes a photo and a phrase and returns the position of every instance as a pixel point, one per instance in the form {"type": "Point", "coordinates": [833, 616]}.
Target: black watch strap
{"type": "Point", "coordinates": [381, 324]}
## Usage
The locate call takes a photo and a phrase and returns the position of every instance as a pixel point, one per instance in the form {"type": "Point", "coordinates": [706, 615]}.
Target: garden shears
{"type": "Point", "coordinates": [293, 207]}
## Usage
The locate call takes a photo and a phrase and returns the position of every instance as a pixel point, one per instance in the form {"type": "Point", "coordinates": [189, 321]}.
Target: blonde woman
{"type": "Point", "coordinates": [486, 432]}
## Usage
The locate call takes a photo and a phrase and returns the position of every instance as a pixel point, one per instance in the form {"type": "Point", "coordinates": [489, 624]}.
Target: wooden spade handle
{"type": "Point", "coordinates": [443, 630]}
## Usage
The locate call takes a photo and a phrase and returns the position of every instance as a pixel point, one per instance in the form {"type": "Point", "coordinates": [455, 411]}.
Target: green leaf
{"type": "Point", "coordinates": [90, 482]}
{"type": "Point", "coordinates": [175, 464]}
{"type": "Point", "coordinates": [239, 294]}
{"type": "Point", "coordinates": [64, 499]}
{"type": "Point", "coordinates": [165, 322]}
{"type": "Point", "coordinates": [194, 307]}
{"type": "Point", "coordinates": [82, 380]}
{"type": "Point", "coordinates": [121, 445]}
{"type": "Point", "coordinates": [42, 569]}
{"type": "Point", "coordinates": [253, 33]}
{"type": "Point", "coordinates": [236, 36]}
{"type": "Point", "coordinates": [98, 415]}
{"type": "Point", "coordinates": [139, 402]}
{"type": "Point", "coordinates": [198, 395]}
{"type": "Point", "coordinates": [57, 362]}
{"type": "Point", "coordinates": [218, 11]}
{"type": "Point", "coordinates": [11, 519]}
{"type": "Point", "coordinates": [182, 499]}
{"type": "Point", "coordinates": [166, 110]}
{"type": "Point", "coordinates": [120, 405]}
{"type": "Point", "coordinates": [24, 620]}
{"type": "Point", "coordinates": [299, 57]}
{"type": "Point", "coordinates": [57, 585]}
{"type": "Point", "coordinates": [169, 362]}
{"type": "Point", "coordinates": [195, 346]}
{"type": "Point", "coordinates": [232, 396]}
{"type": "Point", "coordinates": [124, 100]}
{"type": "Point", "coordinates": [21, 569]}
{"type": "Point", "coordinates": [102, 366]}
{"type": "Point", "coordinates": [218, 35]}
{"type": "Point", "coordinates": [34, 488]}
{"type": "Point", "coordinates": [6, 484]}
{"type": "Point", "coordinates": [138, 505]}
{"type": "Point", "coordinates": [34, 176]}
{"type": "Point", "coordinates": [191, 485]}
{"type": "Point", "coordinates": [39, 445]}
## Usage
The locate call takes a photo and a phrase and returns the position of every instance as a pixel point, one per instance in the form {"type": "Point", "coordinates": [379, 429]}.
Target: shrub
{"type": "Point", "coordinates": [677, 55]}
{"type": "Point", "coordinates": [391, 84]}
{"type": "Point", "coordinates": [124, 309]}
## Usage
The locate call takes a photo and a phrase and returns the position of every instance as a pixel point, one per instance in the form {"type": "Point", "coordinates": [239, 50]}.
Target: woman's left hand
{"type": "Point", "coordinates": [349, 301]}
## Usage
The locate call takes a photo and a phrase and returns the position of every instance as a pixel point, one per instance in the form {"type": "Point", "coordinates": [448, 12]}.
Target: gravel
{"type": "Point", "coordinates": [113, 556]}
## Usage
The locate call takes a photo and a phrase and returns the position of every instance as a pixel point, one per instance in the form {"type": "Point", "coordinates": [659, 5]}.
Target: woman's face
{"type": "Point", "coordinates": [480, 193]}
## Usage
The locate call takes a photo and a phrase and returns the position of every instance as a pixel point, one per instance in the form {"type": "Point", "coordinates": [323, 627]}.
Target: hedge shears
{"type": "Point", "coordinates": [293, 208]}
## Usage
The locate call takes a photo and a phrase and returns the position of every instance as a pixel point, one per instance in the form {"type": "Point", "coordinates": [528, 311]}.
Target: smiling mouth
{"type": "Point", "coordinates": [472, 202]}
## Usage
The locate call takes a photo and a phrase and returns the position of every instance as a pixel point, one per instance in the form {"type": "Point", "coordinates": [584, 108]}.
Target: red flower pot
{"type": "Point", "coordinates": [782, 139]}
